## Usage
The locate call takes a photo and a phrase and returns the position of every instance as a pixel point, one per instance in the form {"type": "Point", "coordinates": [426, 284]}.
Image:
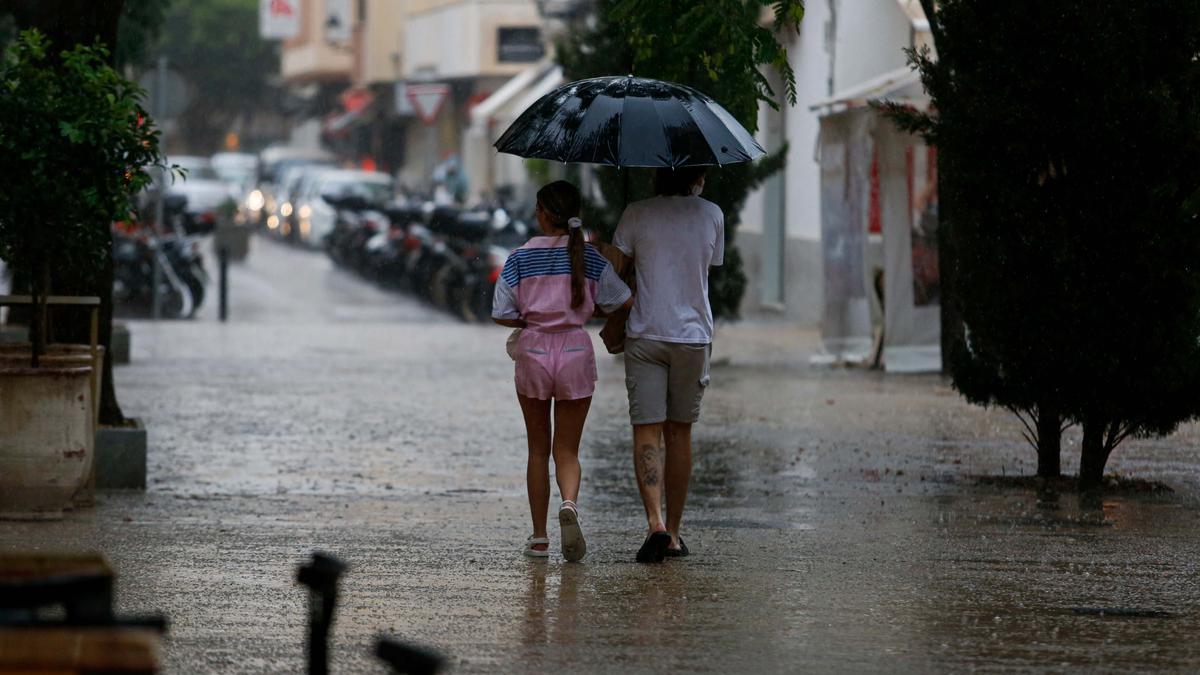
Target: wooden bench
{"type": "Point", "coordinates": [78, 650]}
{"type": "Point", "coordinates": [89, 639]}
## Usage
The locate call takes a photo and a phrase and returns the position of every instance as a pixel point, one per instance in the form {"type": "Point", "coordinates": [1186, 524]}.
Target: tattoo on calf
{"type": "Point", "coordinates": [648, 459]}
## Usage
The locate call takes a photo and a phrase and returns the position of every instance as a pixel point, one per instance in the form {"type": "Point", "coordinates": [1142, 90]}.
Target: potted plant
{"type": "Point", "coordinates": [74, 148]}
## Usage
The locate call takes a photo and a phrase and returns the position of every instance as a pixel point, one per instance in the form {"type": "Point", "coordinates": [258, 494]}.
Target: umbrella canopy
{"type": "Point", "coordinates": [632, 122]}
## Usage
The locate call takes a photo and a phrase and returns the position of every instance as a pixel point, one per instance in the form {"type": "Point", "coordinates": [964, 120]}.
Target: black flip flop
{"type": "Point", "coordinates": [654, 549]}
{"type": "Point", "coordinates": [677, 552]}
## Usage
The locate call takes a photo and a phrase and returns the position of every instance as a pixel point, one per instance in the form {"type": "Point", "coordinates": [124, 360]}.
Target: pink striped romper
{"type": "Point", "coordinates": [554, 353]}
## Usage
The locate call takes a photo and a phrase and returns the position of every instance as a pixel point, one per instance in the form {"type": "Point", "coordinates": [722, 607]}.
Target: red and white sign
{"type": "Point", "coordinates": [428, 100]}
{"type": "Point", "coordinates": [278, 19]}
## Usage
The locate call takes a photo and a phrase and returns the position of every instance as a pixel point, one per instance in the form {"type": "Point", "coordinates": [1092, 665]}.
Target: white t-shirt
{"type": "Point", "coordinates": [673, 241]}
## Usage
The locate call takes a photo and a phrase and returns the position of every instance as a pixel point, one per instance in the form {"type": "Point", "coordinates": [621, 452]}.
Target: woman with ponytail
{"type": "Point", "coordinates": [550, 287]}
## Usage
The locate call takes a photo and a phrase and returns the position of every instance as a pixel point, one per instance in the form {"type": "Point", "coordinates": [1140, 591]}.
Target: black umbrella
{"type": "Point", "coordinates": [632, 122]}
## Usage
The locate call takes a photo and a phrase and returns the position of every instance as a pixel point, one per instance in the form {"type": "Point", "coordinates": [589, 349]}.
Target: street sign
{"type": "Point", "coordinates": [428, 100]}
{"type": "Point", "coordinates": [176, 95]}
{"type": "Point", "coordinates": [278, 19]}
{"type": "Point", "coordinates": [339, 21]}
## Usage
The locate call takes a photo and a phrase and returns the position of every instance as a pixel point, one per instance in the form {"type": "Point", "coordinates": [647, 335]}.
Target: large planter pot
{"type": "Point", "coordinates": [46, 439]}
{"type": "Point", "coordinates": [66, 356]}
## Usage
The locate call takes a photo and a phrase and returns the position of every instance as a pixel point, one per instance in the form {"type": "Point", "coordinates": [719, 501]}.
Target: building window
{"type": "Point", "coordinates": [521, 44]}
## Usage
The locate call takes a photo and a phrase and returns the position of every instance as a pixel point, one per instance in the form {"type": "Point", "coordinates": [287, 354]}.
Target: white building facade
{"type": "Point", "coordinates": [842, 45]}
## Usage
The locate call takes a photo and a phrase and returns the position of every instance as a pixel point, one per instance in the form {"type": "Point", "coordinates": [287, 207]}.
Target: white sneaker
{"type": "Point", "coordinates": [574, 548]}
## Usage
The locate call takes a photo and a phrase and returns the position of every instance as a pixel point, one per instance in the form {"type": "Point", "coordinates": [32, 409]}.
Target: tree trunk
{"type": "Point", "coordinates": [1049, 439]}
{"type": "Point", "coordinates": [1093, 456]}
{"type": "Point", "coordinates": [74, 326]}
{"type": "Point", "coordinates": [39, 289]}
{"type": "Point", "coordinates": [67, 23]}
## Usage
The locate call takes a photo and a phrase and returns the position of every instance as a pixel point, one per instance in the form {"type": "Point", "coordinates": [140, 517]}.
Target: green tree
{"type": "Point", "coordinates": [719, 47]}
{"type": "Point", "coordinates": [74, 145]}
{"type": "Point", "coordinates": [138, 31]}
{"type": "Point", "coordinates": [216, 47]}
{"type": "Point", "coordinates": [66, 23]}
{"type": "Point", "coordinates": [1068, 137]}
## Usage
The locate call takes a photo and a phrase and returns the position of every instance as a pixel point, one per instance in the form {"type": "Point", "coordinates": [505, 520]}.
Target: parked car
{"type": "Point", "coordinates": [283, 219]}
{"type": "Point", "coordinates": [204, 190]}
{"type": "Point", "coordinates": [316, 216]}
{"type": "Point", "coordinates": [239, 169]}
{"type": "Point", "coordinates": [273, 164]}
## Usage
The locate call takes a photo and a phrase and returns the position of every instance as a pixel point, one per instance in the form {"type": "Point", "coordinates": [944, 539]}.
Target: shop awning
{"type": "Point", "coordinates": [900, 86]}
{"type": "Point", "coordinates": [355, 103]}
{"type": "Point", "coordinates": [487, 108]}
{"type": "Point", "coordinates": [543, 86]}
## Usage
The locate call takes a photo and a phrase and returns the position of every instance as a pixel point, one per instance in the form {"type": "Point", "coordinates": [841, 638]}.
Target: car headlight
{"type": "Point", "coordinates": [255, 201]}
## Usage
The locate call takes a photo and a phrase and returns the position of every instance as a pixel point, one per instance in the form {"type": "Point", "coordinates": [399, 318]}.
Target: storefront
{"type": "Point", "coordinates": [879, 232]}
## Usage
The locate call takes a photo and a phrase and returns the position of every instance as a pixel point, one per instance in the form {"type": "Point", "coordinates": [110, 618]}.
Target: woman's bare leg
{"type": "Point", "coordinates": [569, 417]}
{"type": "Point", "coordinates": [537, 471]}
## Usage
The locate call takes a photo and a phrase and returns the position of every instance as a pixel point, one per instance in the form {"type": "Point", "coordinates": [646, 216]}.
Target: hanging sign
{"type": "Point", "coordinates": [338, 21]}
{"type": "Point", "coordinates": [428, 99]}
{"type": "Point", "coordinates": [278, 19]}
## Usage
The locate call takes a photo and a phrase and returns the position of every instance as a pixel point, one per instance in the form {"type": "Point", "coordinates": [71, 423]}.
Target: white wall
{"type": "Point", "coordinates": [871, 35]}
{"type": "Point", "coordinates": [868, 39]}
{"type": "Point", "coordinates": [459, 39]}
{"type": "Point", "coordinates": [810, 59]}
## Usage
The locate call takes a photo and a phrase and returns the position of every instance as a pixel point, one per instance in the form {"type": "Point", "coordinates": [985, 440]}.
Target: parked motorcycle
{"type": "Point", "coordinates": [387, 250]}
{"type": "Point", "coordinates": [136, 253]}
{"type": "Point", "coordinates": [181, 284]}
{"type": "Point", "coordinates": [480, 284]}
{"type": "Point", "coordinates": [356, 221]}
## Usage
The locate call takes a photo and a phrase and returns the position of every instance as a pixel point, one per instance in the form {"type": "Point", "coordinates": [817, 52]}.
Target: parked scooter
{"type": "Point", "coordinates": [388, 252]}
{"type": "Point", "coordinates": [134, 259]}
{"type": "Point", "coordinates": [357, 222]}
{"type": "Point", "coordinates": [428, 254]}
{"type": "Point", "coordinates": [463, 237]}
{"type": "Point", "coordinates": [479, 285]}
{"type": "Point", "coordinates": [183, 278]}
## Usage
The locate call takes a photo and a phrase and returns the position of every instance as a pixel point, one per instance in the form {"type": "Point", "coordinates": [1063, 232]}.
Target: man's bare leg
{"type": "Point", "coordinates": [677, 474]}
{"type": "Point", "coordinates": [648, 466]}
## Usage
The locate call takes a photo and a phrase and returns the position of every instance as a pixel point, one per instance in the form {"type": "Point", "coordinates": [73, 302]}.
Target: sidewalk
{"type": "Point", "coordinates": [834, 521]}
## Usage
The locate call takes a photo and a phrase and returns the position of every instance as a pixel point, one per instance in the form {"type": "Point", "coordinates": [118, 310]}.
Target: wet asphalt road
{"type": "Point", "coordinates": [834, 522]}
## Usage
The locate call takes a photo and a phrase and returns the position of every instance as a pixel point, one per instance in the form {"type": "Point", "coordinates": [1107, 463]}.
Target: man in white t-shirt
{"type": "Point", "coordinates": [674, 239]}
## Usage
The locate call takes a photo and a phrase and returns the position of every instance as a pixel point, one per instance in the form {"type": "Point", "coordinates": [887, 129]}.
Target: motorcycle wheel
{"type": "Point", "coordinates": [439, 287]}
{"type": "Point", "coordinates": [173, 304]}
{"type": "Point", "coordinates": [478, 303]}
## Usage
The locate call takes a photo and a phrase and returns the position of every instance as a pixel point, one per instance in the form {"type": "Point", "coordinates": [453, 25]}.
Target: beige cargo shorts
{"type": "Point", "coordinates": [666, 380]}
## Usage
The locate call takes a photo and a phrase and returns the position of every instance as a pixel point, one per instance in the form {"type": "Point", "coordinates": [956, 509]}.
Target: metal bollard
{"type": "Point", "coordinates": [223, 293]}
{"type": "Point", "coordinates": [321, 577]}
